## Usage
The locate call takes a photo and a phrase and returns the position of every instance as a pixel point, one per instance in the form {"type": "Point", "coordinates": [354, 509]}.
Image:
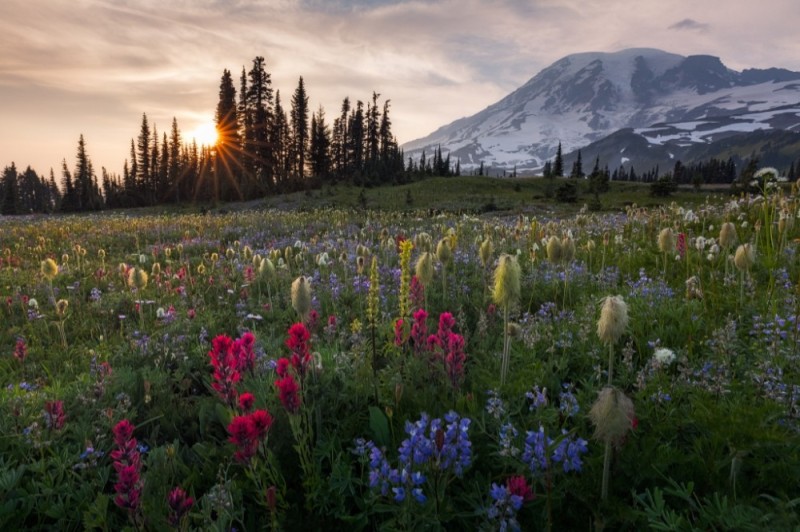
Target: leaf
{"type": "Point", "coordinates": [379, 426]}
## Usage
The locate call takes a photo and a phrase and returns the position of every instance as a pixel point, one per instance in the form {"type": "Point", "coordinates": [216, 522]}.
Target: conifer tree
{"type": "Point", "coordinates": [558, 165]}
{"type": "Point", "coordinates": [299, 129]}
{"type": "Point", "coordinates": [10, 185]}
{"type": "Point", "coordinates": [319, 149]}
{"type": "Point", "coordinates": [228, 174]}
{"type": "Point", "coordinates": [259, 109]}
{"type": "Point", "coordinates": [143, 156]}
{"type": "Point", "coordinates": [174, 183]}
{"type": "Point", "coordinates": [577, 168]}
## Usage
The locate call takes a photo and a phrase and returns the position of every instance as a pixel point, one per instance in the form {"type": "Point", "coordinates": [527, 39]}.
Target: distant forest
{"type": "Point", "coordinates": [263, 149]}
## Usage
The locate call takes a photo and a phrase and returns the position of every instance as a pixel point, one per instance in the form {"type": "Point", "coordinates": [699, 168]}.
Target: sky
{"type": "Point", "coordinates": [93, 67]}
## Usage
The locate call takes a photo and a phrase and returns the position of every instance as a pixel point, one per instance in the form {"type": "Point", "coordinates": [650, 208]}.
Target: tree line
{"type": "Point", "coordinates": [265, 146]}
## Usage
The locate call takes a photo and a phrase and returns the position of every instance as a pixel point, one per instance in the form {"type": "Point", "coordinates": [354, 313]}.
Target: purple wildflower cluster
{"type": "Point", "coordinates": [540, 451]}
{"type": "Point", "coordinates": [438, 445]}
{"type": "Point", "coordinates": [507, 500]}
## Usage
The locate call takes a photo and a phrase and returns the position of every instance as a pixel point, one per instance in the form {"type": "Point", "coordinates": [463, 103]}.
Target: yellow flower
{"type": "Point", "coordinates": [507, 275]}
{"type": "Point", "coordinates": [137, 278]}
{"type": "Point", "coordinates": [49, 269]}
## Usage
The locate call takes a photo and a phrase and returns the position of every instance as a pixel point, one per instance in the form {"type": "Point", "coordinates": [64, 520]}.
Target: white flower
{"type": "Point", "coordinates": [142, 258]}
{"type": "Point", "coordinates": [690, 217]}
{"type": "Point", "coordinates": [766, 170]}
{"type": "Point", "coordinates": [32, 303]}
{"type": "Point", "coordinates": [700, 243]}
{"type": "Point", "coordinates": [663, 356]}
{"type": "Point", "coordinates": [160, 313]}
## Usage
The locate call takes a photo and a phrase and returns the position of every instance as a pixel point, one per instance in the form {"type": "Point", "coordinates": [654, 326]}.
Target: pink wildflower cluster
{"type": "Point", "coordinates": [295, 366]}
{"type": "Point", "coordinates": [20, 350]}
{"type": "Point", "coordinates": [179, 504]}
{"type": "Point", "coordinates": [517, 485]}
{"type": "Point", "coordinates": [247, 432]}
{"type": "Point", "coordinates": [448, 347]}
{"type": "Point", "coordinates": [128, 465]}
{"type": "Point", "coordinates": [680, 245]}
{"type": "Point", "coordinates": [54, 413]}
{"type": "Point", "coordinates": [298, 344]}
{"type": "Point", "coordinates": [444, 347]}
{"type": "Point", "coordinates": [229, 359]}
{"type": "Point", "coordinates": [288, 389]}
{"type": "Point", "coordinates": [416, 293]}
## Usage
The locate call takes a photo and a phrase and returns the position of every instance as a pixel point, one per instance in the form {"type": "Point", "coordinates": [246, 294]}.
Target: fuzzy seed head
{"type": "Point", "coordinates": [61, 307]}
{"type": "Point", "coordinates": [443, 251]}
{"type": "Point", "coordinates": [49, 269]}
{"type": "Point", "coordinates": [567, 249]}
{"type": "Point", "coordinates": [554, 249]}
{"type": "Point", "coordinates": [612, 416]}
{"type": "Point", "coordinates": [423, 242]}
{"type": "Point", "coordinates": [486, 250]}
{"type": "Point", "coordinates": [613, 319]}
{"type": "Point", "coordinates": [266, 269]}
{"type": "Point", "coordinates": [424, 269]}
{"type": "Point", "coordinates": [506, 290]}
{"type": "Point", "coordinates": [666, 240]}
{"type": "Point", "coordinates": [745, 257]}
{"type": "Point", "coordinates": [137, 278]}
{"type": "Point", "coordinates": [301, 297]}
{"type": "Point", "coordinates": [727, 235]}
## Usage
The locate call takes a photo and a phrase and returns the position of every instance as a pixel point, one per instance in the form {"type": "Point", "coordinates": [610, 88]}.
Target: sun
{"type": "Point", "coordinates": [205, 134]}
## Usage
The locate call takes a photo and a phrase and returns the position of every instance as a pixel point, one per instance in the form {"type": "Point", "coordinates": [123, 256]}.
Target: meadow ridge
{"type": "Point", "coordinates": [323, 368]}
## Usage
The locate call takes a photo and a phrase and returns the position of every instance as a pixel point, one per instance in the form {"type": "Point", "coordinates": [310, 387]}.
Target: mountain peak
{"type": "Point", "coordinates": [586, 96]}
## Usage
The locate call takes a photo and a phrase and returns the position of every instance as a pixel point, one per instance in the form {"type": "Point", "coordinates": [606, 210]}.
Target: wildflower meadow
{"type": "Point", "coordinates": [339, 370]}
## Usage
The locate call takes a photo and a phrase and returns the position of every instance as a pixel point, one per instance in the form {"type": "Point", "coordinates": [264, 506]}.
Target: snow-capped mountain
{"type": "Point", "coordinates": [667, 99]}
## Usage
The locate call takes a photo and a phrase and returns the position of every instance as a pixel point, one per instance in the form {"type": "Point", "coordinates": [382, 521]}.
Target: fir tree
{"type": "Point", "coordinates": [558, 165]}
{"type": "Point", "coordinates": [300, 129]}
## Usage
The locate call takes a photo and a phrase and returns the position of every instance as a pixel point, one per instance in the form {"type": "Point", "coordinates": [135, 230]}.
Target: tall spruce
{"type": "Point", "coordinates": [259, 109]}
{"type": "Point", "coordinates": [558, 165]}
{"type": "Point", "coordinates": [227, 161]}
{"type": "Point", "coordinates": [10, 185]}
{"type": "Point", "coordinates": [319, 148]}
{"type": "Point", "coordinates": [143, 160]}
{"type": "Point", "coordinates": [299, 129]}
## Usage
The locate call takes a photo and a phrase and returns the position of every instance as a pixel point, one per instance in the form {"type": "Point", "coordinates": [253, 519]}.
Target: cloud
{"type": "Point", "coordinates": [437, 60]}
{"type": "Point", "coordinates": [689, 24]}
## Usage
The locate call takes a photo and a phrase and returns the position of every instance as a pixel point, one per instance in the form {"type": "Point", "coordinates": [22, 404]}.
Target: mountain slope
{"type": "Point", "coordinates": [667, 99]}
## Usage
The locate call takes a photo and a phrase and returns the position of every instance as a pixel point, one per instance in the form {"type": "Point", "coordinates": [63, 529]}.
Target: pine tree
{"type": "Point", "coordinates": [577, 167]}
{"type": "Point", "coordinates": [280, 135]}
{"type": "Point", "coordinates": [259, 108]}
{"type": "Point", "coordinates": [227, 163]}
{"type": "Point", "coordinates": [175, 185]}
{"type": "Point", "coordinates": [10, 203]}
{"type": "Point", "coordinates": [300, 129]}
{"type": "Point", "coordinates": [69, 201]}
{"type": "Point", "coordinates": [83, 178]}
{"type": "Point", "coordinates": [547, 170]}
{"type": "Point", "coordinates": [355, 141]}
{"type": "Point", "coordinates": [143, 159]}
{"type": "Point", "coordinates": [558, 165]}
{"type": "Point", "coordinates": [319, 150]}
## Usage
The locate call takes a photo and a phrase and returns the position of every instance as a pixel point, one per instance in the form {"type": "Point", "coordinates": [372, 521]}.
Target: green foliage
{"type": "Point", "coordinates": [715, 444]}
